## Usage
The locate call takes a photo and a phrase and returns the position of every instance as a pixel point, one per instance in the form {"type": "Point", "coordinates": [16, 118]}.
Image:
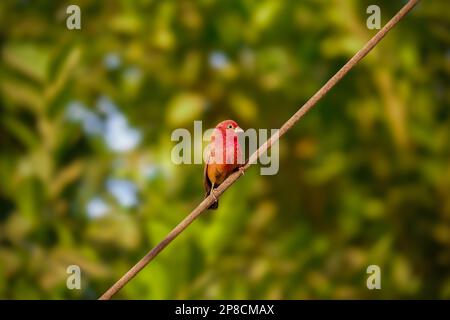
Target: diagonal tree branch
{"type": "Point", "coordinates": [254, 157]}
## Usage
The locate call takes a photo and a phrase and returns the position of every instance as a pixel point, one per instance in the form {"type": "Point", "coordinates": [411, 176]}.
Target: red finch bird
{"type": "Point", "coordinates": [223, 156]}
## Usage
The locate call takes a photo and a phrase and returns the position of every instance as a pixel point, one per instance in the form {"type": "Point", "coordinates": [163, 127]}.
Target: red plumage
{"type": "Point", "coordinates": [223, 156]}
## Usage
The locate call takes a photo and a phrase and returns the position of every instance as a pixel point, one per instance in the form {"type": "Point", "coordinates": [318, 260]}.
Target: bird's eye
{"type": "Point", "coordinates": [230, 126]}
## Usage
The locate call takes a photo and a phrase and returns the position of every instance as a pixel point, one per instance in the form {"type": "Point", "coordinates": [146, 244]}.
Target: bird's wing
{"type": "Point", "coordinates": [206, 182]}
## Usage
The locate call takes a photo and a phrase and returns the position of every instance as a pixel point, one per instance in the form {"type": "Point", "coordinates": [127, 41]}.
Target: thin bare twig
{"type": "Point", "coordinates": [254, 157]}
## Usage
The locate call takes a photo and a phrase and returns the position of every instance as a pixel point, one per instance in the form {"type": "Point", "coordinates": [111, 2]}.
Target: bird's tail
{"type": "Point", "coordinates": [214, 206]}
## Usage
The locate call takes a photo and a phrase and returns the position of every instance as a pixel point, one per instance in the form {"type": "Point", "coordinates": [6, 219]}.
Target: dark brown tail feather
{"type": "Point", "coordinates": [214, 206]}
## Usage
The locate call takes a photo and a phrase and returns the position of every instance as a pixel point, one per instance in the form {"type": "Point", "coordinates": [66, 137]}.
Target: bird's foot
{"type": "Point", "coordinates": [213, 195]}
{"type": "Point", "coordinates": [241, 170]}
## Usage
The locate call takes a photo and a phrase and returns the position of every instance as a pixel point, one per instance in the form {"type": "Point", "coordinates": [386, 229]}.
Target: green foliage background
{"type": "Point", "coordinates": [364, 178]}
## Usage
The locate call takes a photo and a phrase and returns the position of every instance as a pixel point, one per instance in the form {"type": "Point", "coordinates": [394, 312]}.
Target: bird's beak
{"type": "Point", "coordinates": [238, 130]}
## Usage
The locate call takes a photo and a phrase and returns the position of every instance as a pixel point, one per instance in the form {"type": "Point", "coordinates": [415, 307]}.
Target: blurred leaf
{"type": "Point", "coordinates": [65, 176]}
{"type": "Point", "coordinates": [22, 94]}
{"type": "Point", "coordinates": [31, 60]}
{"type": "Point", "coordinates": [185, 108]}
{"type": "Point", "coordinates": [63, 74]}
{"type": "Point", "coordinates": [20, 131]}
{"type": "Point", "coordinates": [244, 106]}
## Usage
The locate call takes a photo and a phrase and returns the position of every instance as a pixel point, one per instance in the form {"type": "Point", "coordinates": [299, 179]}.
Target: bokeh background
{"type": "Point", "coordinates": [86, 176]}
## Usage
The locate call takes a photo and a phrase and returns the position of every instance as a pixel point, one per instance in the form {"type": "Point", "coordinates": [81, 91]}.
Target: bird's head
{"type": "Point", "coordinates": [229, 125]}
